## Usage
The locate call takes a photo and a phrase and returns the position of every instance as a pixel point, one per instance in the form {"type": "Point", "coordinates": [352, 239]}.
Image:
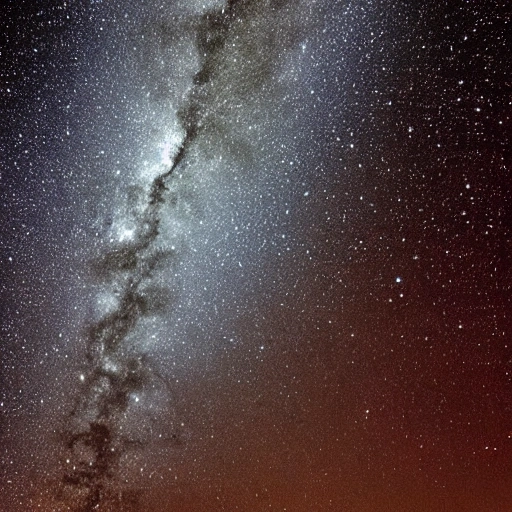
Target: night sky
{"type": "Point", "coordinates": [255, 255]}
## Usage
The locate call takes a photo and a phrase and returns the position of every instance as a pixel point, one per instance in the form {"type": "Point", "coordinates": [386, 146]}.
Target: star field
{"type": "Point", "coordinates": [256, 255]}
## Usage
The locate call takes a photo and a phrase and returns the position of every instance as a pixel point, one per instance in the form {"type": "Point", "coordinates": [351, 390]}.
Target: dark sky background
{"type": "Point", "coordinates": [255, 255]}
